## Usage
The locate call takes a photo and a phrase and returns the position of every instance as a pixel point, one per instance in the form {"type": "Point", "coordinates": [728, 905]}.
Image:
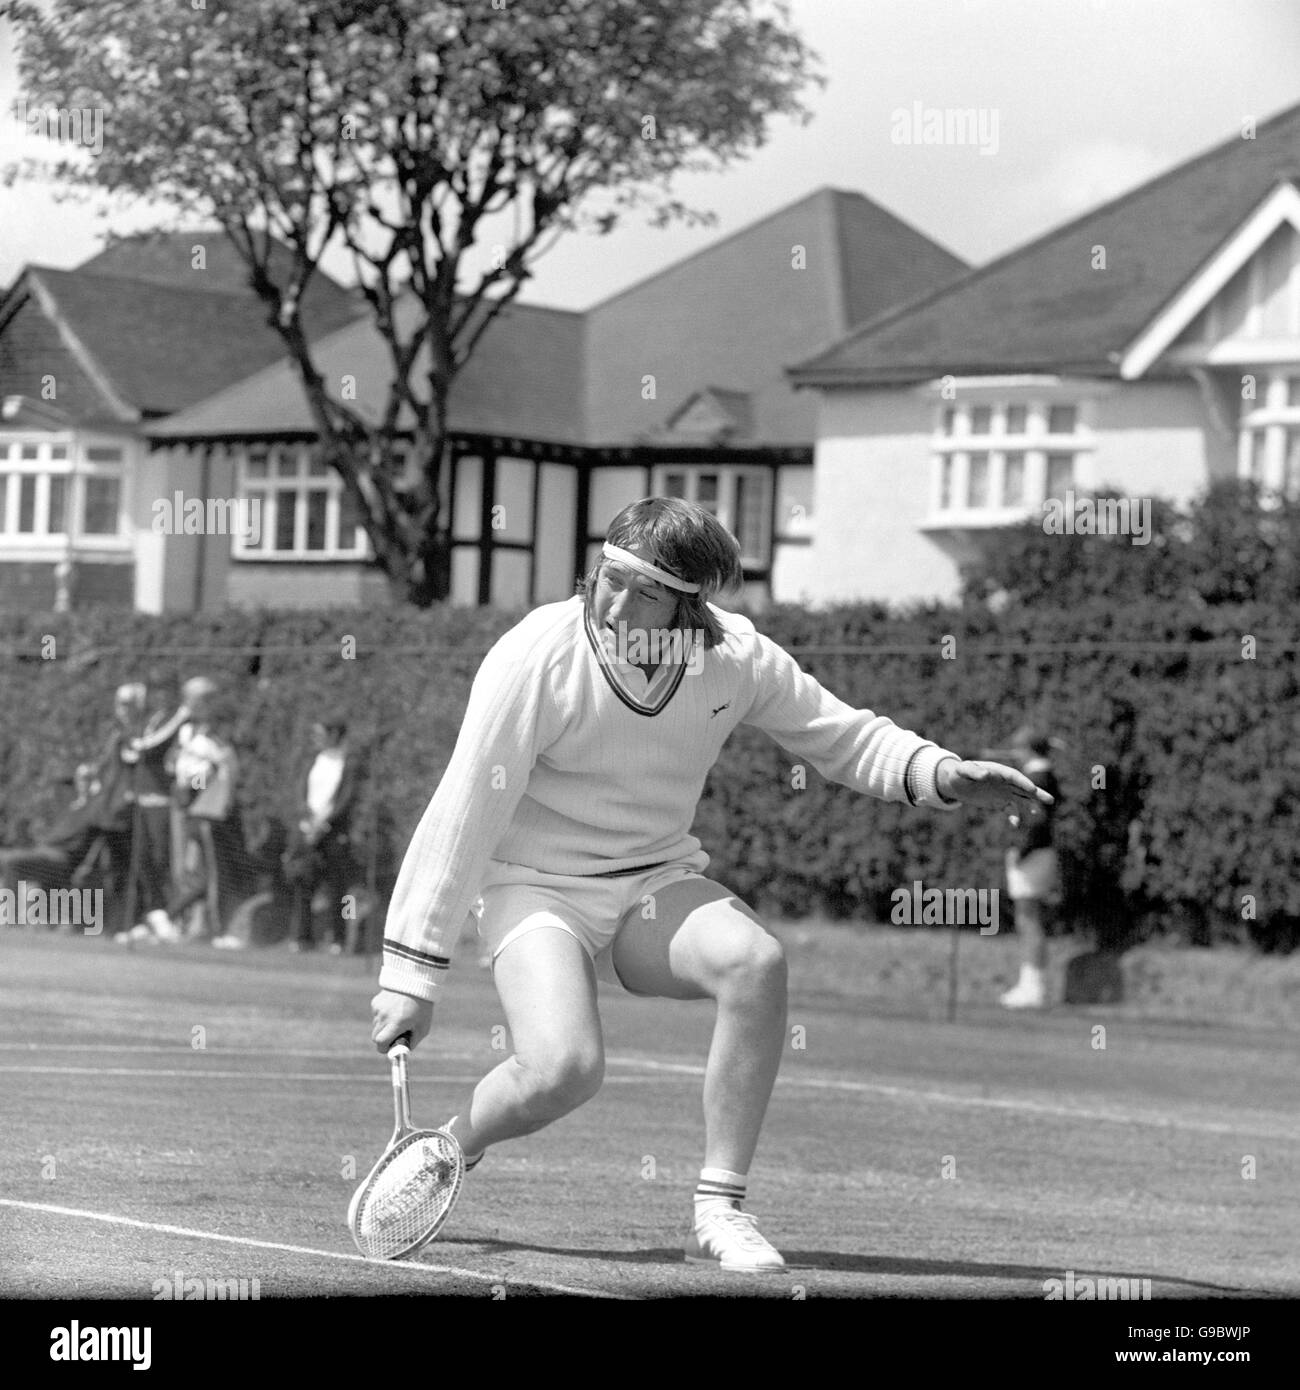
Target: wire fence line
{"type": "Point", "coordinates": [967, 646]}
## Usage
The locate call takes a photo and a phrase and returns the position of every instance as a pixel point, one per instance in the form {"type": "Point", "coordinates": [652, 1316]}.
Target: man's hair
{"type": "Point", "coordinates": [689, 542]}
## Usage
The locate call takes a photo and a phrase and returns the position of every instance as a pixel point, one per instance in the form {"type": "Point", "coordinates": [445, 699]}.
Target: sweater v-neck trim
{"type": "Point", "coordinates": [614, 677]}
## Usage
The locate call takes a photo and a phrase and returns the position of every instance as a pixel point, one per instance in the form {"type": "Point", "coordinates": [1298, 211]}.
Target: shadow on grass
{"type": "Point", "coordinates": [840, 1262]}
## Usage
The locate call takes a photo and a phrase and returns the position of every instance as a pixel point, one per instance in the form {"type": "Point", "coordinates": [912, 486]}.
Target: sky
{"type": "Point", "coordinates": [1079, 100]}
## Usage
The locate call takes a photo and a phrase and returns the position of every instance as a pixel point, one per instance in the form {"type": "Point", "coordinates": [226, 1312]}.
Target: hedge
{"type": "Point", "coordinates": [1181, 775]}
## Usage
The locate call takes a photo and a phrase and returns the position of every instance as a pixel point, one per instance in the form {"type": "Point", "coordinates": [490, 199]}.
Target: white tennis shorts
{"type": "Point", "coordinates": [1033, 875]}
{"type": "Point", "coordinates": [517, 899]}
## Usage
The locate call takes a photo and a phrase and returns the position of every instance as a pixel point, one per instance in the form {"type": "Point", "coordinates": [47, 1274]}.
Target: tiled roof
{"type": "Point", "coordinates": [883, 260]}
{"type": "Point", "coordinates": [170, 257]}
{"type": "Point", "coordinates": [166, 339]}
{"type": "Point", "coordinates": [576, 378]}
{"type": "Point", "coordinates": [138, 331]}
{"type": "Point", "coordinates": [524, 380]}
{"type": "Point", "coordinates": [1048, 305]}
{"type": "Point", "coordinates": [165, 348]}
{"type": "Point", "coordinates": [736, 312]}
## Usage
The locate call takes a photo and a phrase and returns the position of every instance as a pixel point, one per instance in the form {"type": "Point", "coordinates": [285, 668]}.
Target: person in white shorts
{"type": "Point", "coordinates": [564, 820]}
{"type": "Point", "coordinates": [1033, 868]}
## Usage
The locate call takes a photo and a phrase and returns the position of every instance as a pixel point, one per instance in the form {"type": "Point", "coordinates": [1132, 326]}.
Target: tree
{"type": "Point", "coordinates": [394, 128]}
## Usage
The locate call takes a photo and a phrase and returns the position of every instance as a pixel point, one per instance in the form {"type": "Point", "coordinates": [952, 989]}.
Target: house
{"type": "Point", "coordinates": [1151, 346]}
{"type": "Point", "coordinates": [88, 358]}
{"type": "Point", "coordinates": [676, 386]}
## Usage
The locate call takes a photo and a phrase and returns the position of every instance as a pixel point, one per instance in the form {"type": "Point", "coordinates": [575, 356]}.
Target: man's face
{"type": "Point", "coordinates": [624, 598]}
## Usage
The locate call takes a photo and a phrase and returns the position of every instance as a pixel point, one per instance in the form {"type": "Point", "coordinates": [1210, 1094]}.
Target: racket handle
{"type": "Point", "coordinates": [400, 1046]}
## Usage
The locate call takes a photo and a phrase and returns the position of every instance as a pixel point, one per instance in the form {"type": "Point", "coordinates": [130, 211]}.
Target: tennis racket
{"type": "Point", "coordinates": [406, 1197]}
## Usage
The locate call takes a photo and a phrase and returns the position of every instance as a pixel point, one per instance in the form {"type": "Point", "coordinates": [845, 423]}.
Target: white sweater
{"type": "Point", "coordinates": [568, 762]}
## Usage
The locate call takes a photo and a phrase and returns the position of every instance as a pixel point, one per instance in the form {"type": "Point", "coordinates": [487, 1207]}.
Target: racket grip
{"type": "Point", "coordinates": [400, 1046]}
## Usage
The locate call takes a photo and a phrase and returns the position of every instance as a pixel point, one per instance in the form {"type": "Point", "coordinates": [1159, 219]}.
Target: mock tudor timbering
{"type": "Point", "coordinates": [1151, 346]}
{"type": "Point", "coordinates": [554, 427]}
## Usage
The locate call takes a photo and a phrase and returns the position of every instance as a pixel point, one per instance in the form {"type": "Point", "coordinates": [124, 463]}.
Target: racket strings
{"type": "Point", "coordinates": [407, 1196]}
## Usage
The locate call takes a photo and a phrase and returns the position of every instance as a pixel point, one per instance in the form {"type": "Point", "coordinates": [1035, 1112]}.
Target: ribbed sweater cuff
{"type": "Point", "coordinates": [921, 785]}
{"type": "Point", "coordinates": [405, 975]}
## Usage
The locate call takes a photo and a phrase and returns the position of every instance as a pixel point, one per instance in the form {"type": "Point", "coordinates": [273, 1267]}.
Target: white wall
{"type": "Point", "coordinates": [556, 504]}
{"type": "Point", "coordinates": [612, 489]}
{"type": "Point", "coordinates": [873, 470]}
{"type": "Point", "coordinates": [1157, 439]}
{"type": "Point", "coordinates": [871, 492]}
{"type": "Point", "coordinates": [151, 478]}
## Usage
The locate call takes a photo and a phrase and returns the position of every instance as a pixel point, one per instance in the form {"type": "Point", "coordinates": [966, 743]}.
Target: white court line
{"type": "Point", "coordinates": [905, 1093]}
{"type": "Point", "coordinates": [1029, 1107]}
{"type": "Point", "coordinates": [416, 1268]}
{"type": "Point", "coordinates": [220, 1050]}
{"type": "Point", "coordinates": [189, 1073]}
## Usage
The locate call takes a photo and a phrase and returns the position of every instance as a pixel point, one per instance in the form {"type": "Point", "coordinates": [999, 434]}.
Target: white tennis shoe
{"type": "Point", "coordinates": [1029, 992]}
{"type": "Point", "coordinates": [729, 1237]}
{"type": "Point", "coordinates": [163, 927]}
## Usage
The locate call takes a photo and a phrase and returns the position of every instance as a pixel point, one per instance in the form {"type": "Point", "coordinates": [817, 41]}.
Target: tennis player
{"type": "Point", "coordinates": [563, 821]}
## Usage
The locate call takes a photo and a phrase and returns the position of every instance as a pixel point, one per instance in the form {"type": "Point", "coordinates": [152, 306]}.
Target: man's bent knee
{"type": "Point", "coordinates": [562, 1083]}
{"type": "Point", "coordinates": [753, 967]}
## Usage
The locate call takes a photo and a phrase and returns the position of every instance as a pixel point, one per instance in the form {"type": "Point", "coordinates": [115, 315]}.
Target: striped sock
{"type": "Point", "coordinates": [718, 1188]}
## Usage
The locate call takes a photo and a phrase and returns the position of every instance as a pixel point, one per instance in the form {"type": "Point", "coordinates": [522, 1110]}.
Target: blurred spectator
{"type": "Point", "coordinates": [210, 842]}
{"type": "Point", "coordinates": [320, 853]}
{"type": "Point", "coordinates": [263, 916]}
{"type": "Point", "coordinates": [115, 800]}
{"type": "Point", "coordinates": [73, 853]}
{"type": "Point", "coordinates": [1033, 868]}
{"type": "Point", "coordinates": [115, 769]}
{"type": "Point", "coordinates": [151, 755]}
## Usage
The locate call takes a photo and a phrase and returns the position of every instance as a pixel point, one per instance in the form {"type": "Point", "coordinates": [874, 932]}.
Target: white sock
{"type": "Point", "coordinates": [719, 1188]}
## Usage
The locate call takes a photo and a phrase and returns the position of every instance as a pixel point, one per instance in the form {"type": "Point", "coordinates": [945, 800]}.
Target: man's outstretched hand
{"type": "Point", "coordinates": [986, 784]}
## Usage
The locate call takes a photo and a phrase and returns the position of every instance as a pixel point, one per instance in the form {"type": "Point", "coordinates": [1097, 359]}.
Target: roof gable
{"type": "Point", "coordinates": [1264, 229]}
{"type": "Point", "coordinates": [711, 416]}
{"type": "Point", "coordinates": [152, 329]}
{"type": "Point", "coordinates": [1077, 298]}
{"type": "Point", "coordinates": [164, 347]}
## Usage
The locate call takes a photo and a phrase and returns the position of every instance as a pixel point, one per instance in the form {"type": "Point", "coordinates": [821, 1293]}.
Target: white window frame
{"type": "Point", "coordinates": [725, 508]}
{"type": "Point", "coordinates": [1035, 443]}
{"type": "Point", "coordinates": [301, 482]}
{"type": "Point", "coordinates": [1269, 417]}
{"type": "Point", "coordinates": [78, 468]}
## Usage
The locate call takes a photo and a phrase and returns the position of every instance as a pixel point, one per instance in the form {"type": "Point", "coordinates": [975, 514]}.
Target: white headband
{"type": "Point", "coordinates": [625, 557]}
